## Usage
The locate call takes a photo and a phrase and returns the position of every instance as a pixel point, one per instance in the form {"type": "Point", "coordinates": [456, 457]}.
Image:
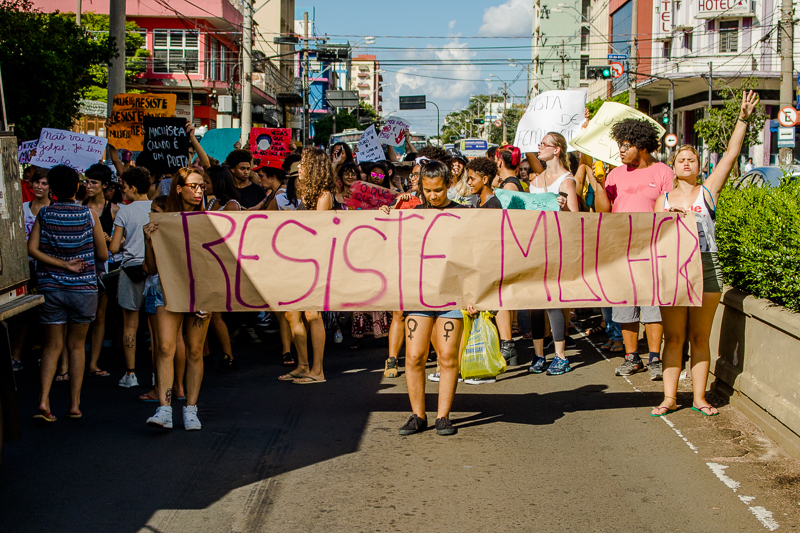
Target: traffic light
{"type": "Point", "coordinates": [665, 117]}
{"type": "Point", "coordinates": [477, 121]}
{"type": "Point", "coordinates": [598, 72]}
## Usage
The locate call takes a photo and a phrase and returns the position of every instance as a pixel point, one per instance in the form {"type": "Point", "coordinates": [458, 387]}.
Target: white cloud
{"type": "Point", "coordinates": [511, 18]}
{"type": "Point", "coordinates": [451, 24]}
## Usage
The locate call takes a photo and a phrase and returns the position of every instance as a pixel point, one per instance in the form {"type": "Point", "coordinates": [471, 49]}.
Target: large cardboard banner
{"type": "Point", "coordinates": [558, 111]}
{"type": "Point", "coordinates": [596, 139]}
{"type": "Point", "coordinates": [410, 260]}
{"type": "Point", "coordinates": [62, 147]}
{"type": "Point", "coordinates": [126, 123]}
{"type": "Point", "coordinates": [270, 144]}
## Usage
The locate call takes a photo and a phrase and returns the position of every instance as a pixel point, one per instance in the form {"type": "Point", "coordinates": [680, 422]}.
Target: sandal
{"type": "Point", "coordinates": [62, 377]}
{"type": "Point", "coordinates": [616, 347]}
{"type": "Point", "coordinates": [288, 359]}
{"type": "Point", "coordinates": [99, 373]}
{"type": "Point", "coordinates": [290, 377]}
{"type": "Point", "coordinates": [704, 413]}
{"type": "Point", "coordinates": [664, 409]}
{"type": "Point", "coordinates": [45, 416]}
{"type": "Point", "coordinates": [515, 330]}
{"type": "Point", "coordinates": [594, 331]}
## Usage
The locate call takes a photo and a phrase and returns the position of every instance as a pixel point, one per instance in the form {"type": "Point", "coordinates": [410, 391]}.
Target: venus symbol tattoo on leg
{"type": "Point", "coordinates": [412, 327]}
{"type": "Point", "coordinates": [168, 396]}
{"type": "Point", "coordinates": [448, 329]}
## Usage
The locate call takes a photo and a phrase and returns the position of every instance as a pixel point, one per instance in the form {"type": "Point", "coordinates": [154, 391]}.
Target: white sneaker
{"type": "Point", "coordinates": [190, 420]}
{"type": "Point", "coordinates": [480, 381]}
{"type": "Point", "coordinates": [433, 377]}
{"type": "Point", "coordinates": [162, 418]}
{"type": "Point", "coordinates": [128, 381]}
{"type": "Point", "coordinates": [338, 337]}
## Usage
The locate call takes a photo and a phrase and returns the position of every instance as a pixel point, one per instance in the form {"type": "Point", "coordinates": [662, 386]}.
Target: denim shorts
{"type": "Point", "coordinates": [60, 307]}
{"type": "Point", "coordinates": [437, 314]}
{"type": "Point", "coordinates": [153, 297]}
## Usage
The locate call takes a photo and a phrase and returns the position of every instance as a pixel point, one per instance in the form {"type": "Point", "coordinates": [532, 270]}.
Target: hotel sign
{"type": "Point", "coordinates": [723, 8]}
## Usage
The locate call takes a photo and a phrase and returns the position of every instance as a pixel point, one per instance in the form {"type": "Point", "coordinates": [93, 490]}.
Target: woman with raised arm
{"type": "Point", "coordinates": [695, 322]}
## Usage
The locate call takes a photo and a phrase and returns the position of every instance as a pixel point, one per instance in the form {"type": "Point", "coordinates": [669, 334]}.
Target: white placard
{"type": "Point", "coordinates": [24, 151]}
{"type": "Point", "coordinates": [369, 147]}
{"type": "Point", "coordinates": [61, 147]}
{"type": "Point", "coordinates": [558, 111]}
{"type": "Point", "coordinates": [393, 133]}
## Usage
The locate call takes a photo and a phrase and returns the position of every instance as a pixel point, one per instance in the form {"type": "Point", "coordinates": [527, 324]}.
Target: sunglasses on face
{"type": "Point", "coordinates": [547, 145]}
{"type": "Point", "coordinates": [376, 175]}
{"type": "Point", "coordinates": [197, 186]}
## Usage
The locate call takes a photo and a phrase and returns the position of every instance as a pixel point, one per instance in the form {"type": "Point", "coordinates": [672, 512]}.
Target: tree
{"type": "Point", "coordinates": [717, 128]}
{"type": "Point", "coordinates": [46, 61]}
{"type": "Point", "coordinates": [135, 55]}
{"type": "Point", "coordinates": [323, 127]}
{"type": "Point", "coordinates": [512, 118]}
{"type": "Point", "coordinates": [594, 105]}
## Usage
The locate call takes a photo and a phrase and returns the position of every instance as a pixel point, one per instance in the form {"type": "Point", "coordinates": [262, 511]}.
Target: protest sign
{"type": "Point", "coordinates": [219, 142]}
{"type": "Point", "coordinates": [61, 147]}
{"type": "Point", "coordinates": [24, 151]}
{"type": "Point", "coordinates": [365, 195]}
{"type": "Point", "coordinates": [558, 111]}
{"type": "Point", "coordinates": [538, 201]}
{"type": "Point", "coordinates": [126, 123]}
{"type": "Point", "coordinates": [596, 139]}
{"type": "Point", "coordinates": [368, 147]}
{"type": "Point", "coordinates": [166, 144]}
{"type": "Point", "coordinates": [270, 144]}
{"type": "Point", "coordinates": [394, 132]}
{"type": "Point", "coordinates": [411, 203]}
{"type": "Point", "coordinates": [409, 260]}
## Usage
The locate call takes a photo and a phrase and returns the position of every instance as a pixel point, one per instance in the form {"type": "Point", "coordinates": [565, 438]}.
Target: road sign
{"type": "Point", "coordinates": [616, 69]}
{"type": "Point", "coordinates": [671, 140]}
{"type": "Point", "coordinates": [412, 102]}
{"type": "Point", "coordinates": [498, 123]}
{"type": "Point", "coordinates": [787, 117]}
{"type": "Point", "coordinates": [785, 137]}
{"type": "Point", "coordinates": [617, 57]}
{"type": "Point", "coordinates": [342, 98]}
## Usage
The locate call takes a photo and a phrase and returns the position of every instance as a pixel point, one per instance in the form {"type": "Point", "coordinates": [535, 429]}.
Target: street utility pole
{"type": "Point", "coordinates": [116, 70]}
{"type": "Point", "coordinates": [78, 14]}
{"type": "Point", "coordinates": [247, 73]}
{"type": "Point", "coordinates": [306, 109]}
{"type": "Point", "coordinates": [786, 155]}
{"type": "Point", "coordinates": [633, 53]}
{"type": "Point", "coordinates": [505, 99]}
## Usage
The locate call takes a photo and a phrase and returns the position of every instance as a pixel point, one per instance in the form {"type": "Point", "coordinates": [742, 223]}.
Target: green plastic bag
{"type": "Point", "coordinates": [481, 356]}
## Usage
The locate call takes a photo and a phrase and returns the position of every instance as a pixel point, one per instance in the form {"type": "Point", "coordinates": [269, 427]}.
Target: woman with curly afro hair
{"type": "Point", "coordinates": [634, 187]}
{"type": "Point", "coordinates": [315, 190]}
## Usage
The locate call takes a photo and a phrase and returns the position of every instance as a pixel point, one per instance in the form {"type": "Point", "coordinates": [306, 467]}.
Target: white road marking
{"type": "Point", "coordinates": [354, 370]}
{"type": "Point", "coordinates": [765, 517]}
{"type": "Point", "coordinates": [719, 471]}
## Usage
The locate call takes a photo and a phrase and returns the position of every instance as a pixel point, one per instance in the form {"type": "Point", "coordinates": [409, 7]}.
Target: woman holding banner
{"type": "Point", "coordinates": [315, 190]}
{"type": "Point", "coordinates": [186, 194]}
{"type": "Point", "coordinates": [695, 322]}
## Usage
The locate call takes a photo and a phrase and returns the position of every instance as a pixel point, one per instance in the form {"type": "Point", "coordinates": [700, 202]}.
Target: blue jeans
{"type": "Point", "coordinates": [612, 328]}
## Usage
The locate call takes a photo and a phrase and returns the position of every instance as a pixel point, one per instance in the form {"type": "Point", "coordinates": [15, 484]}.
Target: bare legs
{"type": "Point", "coordinates": [630, 336]}
{"type": "Point", "coordinates": [316, 328]}
{"type": "Point", "coordinates": [446, 336]}
{"type": "Point", "coordinates": [168, 328]}
{"type": "Point", "coordinates": [130, 324]}
{"type": "Point", "coordinates": [98, 332]}
{"type": "Point", "coordinates": [221, 331]}
{"type": "Point", "coordinates": [54, 343]}
{"type": "Point", "coordinates": [696, 322]}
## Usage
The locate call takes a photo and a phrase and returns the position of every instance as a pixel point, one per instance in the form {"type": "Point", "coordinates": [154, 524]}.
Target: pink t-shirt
{"type": "Point", "coordinates": [635, 190]}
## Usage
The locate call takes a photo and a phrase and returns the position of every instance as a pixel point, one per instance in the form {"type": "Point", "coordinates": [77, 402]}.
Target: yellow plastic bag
{"type": "Point", "coordinates": [481, 356]}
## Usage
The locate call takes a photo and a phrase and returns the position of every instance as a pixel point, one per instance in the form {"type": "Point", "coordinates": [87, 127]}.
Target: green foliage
{"type": "Point", "coordinates": [323, 127]}
{"type": "Point", "coordinates": [459, 123]}
{"type": "Point", "coordinates": [594, 105]}
{"type": "Point", "coordinates": [758, 232]}
{"type": "Point", "coordinates": [46, 61]}
{"type": "Point", "coordinates": [135, 56]}
{"type": "Point", "coordinates": [718, 127]}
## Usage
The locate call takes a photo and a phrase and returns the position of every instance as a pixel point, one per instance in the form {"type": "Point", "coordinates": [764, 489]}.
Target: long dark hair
{"type": "Point", "coordinates": [174, 203]}
{"type": "Point", "coordinates": [432, 170]}
{"type": "Point", "coordinates": [222, 183]}
{"type": "Point", "coordinates": [348, 153]}
{"type": "Point", "coordinates": [387, 173]}
{"type": "Point", "coordinates": [291, 188]}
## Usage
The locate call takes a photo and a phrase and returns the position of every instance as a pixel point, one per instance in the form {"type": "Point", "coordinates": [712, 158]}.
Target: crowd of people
{"type": "Point", "coordinates": [90, 246]}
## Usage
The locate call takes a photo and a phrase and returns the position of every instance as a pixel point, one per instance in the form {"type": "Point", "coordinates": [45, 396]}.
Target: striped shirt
{"type": "Point", "coordinates": [66, 233]}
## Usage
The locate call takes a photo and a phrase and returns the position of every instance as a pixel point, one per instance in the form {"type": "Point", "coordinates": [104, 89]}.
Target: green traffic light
{"type": "Point", "coordinates": [606, 73]}
{"type": "Point", "coordinates": [665, 119]}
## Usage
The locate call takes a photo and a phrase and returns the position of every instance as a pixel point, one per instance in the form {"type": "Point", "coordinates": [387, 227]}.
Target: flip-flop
{"type": "Point", "coordinates": [46, 417]}
{"type": "Point", "coordinates": [62, 377]}
{"type": "Point", "coordinates": [99, 374]}
{"type": "Point", "coordinates": [594, 331]}
{"type": "Point", "coordinates": [307, 380]}
{"type": "Point", "coordinates": [289, 377]}
{"type": "Point", "coordinates": [74, 416]}
{"type": "Point", "coordinates": [667, 411]}
{"type": "Point", "coordinates": [700, 410]}
{"type": "Point", "coordinates": [147, 398]}
{"type": "Point", "coordinates": [287, 359]}
{"type": "Point", "coordinates": [615, 349]}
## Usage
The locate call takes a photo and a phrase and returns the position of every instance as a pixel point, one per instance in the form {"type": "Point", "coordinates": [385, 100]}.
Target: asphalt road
{"type": "Point", "coordinates": [577, 452]}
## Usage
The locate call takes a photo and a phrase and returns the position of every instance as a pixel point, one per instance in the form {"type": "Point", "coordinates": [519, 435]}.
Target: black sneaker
{"type": "Point", "coordinates": [226, 365]}
{"type": "Point", "coordinates": [509, 353]}
{"type": "Point", "coordinates": [414, 424]}
{"type": "Point", "coordinates": [445, 427]}
{"type": "Point", "coordinates": [569, 342]}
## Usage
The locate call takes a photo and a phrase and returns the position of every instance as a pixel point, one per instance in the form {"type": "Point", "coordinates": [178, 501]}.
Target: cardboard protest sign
{"type": "Point", "coordinates": [24, 151]}
{"type": "Point", "coordinates": [365, 195]}
{"type": "Point", "coordinates": [394, 132]}
{"type": "Point", "coordinates": [271, 144]}
{"type": "Point", "coordinates": [218, 143]}
{"type": "Point", "coordinates": [369, 147]}
{"type": "Point", "coordinates": [537, 201]}
{"type": "Point", "coordinates": [558, 111]}
{"type": "Point", "coordinates": [61, 147]}
{"type": "Point", "coordinates": [126, 123]}
{"type": "Point", "coordinates": [596, 139]}
{"type": "Point", "coordinates": [411, 203]}
{"type": "Point", "coordinates": [166, 144]}
{"type": "Point", "coordinates": [409, 260]}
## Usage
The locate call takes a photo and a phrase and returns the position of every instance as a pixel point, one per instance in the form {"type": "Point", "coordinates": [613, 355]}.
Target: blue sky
{"type": "Point", "coordinates": [450, 56]}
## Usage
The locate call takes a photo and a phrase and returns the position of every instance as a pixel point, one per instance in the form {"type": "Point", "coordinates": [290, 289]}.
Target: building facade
{"type": "Point", "coordinates": [366, 77]}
